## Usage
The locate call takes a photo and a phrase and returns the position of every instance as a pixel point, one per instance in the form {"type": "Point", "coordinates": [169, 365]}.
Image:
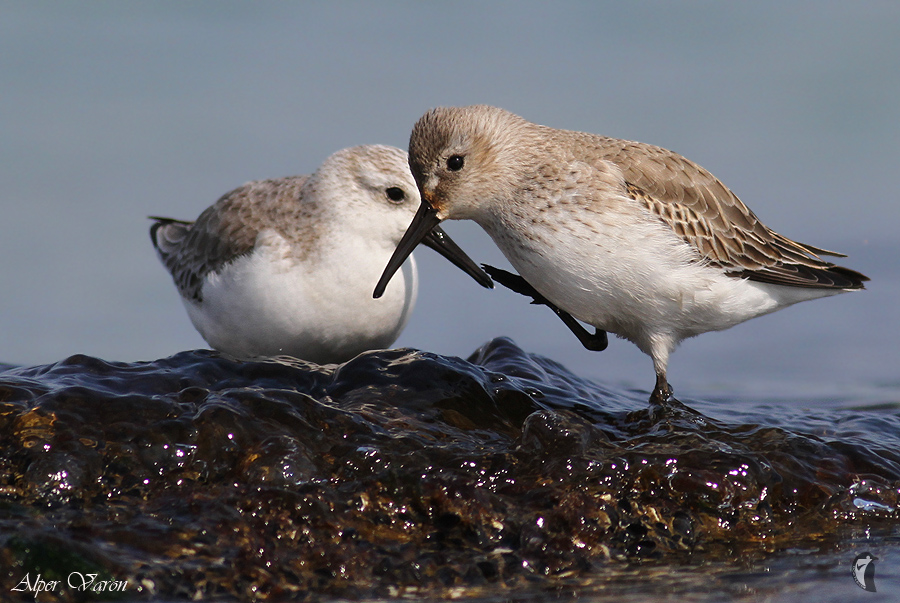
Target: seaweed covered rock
{"type": "Point", "coordinates": [398, 472]}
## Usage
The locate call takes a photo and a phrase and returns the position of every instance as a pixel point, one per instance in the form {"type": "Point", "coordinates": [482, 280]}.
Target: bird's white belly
{"type": "Point", "coordinates": [267, 304]}
{"type": "Point", "coordinates": [636, 278]}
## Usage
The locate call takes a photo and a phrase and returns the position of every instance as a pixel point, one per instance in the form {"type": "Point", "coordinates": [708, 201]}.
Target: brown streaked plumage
{"type": "Point", "coordinates": [744, 247]}
{"type": "Point", "coordinates": [628, 237]}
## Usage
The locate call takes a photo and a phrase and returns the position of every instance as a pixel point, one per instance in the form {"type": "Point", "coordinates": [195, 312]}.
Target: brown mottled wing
{"type": "Point", "coordinates": [708, 216]}
{"type": "Point", "coordinates": [224, 232]}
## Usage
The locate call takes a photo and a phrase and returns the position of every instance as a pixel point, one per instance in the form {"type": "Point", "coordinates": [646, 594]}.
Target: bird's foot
{"type": "Point", "coordinates": [665, 406]}
{"type": "Point", "coordinates": [662, 393]}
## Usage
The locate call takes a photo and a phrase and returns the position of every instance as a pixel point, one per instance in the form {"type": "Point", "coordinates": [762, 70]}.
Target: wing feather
{"type": "Point", "coordinates": [224, 232]}
{"type": "Point", "coordinates": [712, 219]}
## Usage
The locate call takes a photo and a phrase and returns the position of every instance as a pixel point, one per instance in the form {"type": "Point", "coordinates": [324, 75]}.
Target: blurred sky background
{"type": "Point", "coordinates": [113, 111]}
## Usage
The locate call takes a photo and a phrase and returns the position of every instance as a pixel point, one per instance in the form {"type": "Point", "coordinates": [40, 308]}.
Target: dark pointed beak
{"type": "Point", "coordinates": [424, 229]}
{"type": "Point", "coordinates": [441, 242]}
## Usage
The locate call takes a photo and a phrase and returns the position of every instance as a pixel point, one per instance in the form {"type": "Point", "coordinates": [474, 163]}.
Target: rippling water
{"type": "Point", "coordinates": [408, 474]}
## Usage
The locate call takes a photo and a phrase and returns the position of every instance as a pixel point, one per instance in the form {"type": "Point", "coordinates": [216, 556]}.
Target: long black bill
{"type": "Point", "coordinates": [441, 242]}
{"type": "Point", "coordinates": [424, 229]}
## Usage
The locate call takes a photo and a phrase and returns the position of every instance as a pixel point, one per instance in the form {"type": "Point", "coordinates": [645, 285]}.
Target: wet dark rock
{"type": "Point", "coordinates": [403, 472]}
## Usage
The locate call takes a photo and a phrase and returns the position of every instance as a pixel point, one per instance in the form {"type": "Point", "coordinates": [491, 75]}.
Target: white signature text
{"type": "Point", "coordinates": [76, 581]}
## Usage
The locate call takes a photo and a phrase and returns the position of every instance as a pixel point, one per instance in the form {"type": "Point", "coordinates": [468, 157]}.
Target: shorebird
{"type": "Point", "coordinates": [627, 237]}
{"type": "Point", "coordinates": [286, 266]}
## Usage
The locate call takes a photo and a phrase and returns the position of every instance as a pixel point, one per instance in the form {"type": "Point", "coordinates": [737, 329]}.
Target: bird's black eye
{"type": "Point", "coordinates": [395, 194]}
{"type": "Point", "coordinates": [455, 163]}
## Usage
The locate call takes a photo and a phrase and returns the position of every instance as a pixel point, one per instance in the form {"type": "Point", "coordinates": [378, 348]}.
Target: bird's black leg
{"type": "Point", "coordinates": [595, 343]}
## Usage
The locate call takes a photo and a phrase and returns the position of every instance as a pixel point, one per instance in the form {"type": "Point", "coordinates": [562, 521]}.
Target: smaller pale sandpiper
{"type": "Point", "coordinates": [287, 266]}
{"type": "Point", "coordinates": [627, 237]}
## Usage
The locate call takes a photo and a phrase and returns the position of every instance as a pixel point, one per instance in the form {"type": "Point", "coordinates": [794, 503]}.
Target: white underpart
{"type": "Point", "coordinates": [627, 273]}
{"type": "Point", "coordinates": [268, 303]}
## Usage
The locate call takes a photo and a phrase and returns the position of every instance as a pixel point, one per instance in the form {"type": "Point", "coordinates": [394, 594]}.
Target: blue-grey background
{"type": "Point", "coordinates": [112, 111]}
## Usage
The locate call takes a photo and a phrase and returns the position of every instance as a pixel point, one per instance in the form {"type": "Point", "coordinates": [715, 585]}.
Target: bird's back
{"type": "Point", "coordinates": [708, 216]}
{"type": "Point", "coordinates": [225, 231]}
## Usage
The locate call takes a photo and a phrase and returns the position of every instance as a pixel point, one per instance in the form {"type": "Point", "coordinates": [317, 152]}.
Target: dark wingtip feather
{"type": "Point", "coordinates": [828, 276]}
{"type": "Point", "coordinates": [854, 279]}
{"type": "Point", "coordinates": [155, 227]}
{"type": "Point", "coordinates": [158, 223]}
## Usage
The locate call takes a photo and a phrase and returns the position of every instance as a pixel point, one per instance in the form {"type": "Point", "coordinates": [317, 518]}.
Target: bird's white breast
{"type": "Point", "coordinates": [320, 308]}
